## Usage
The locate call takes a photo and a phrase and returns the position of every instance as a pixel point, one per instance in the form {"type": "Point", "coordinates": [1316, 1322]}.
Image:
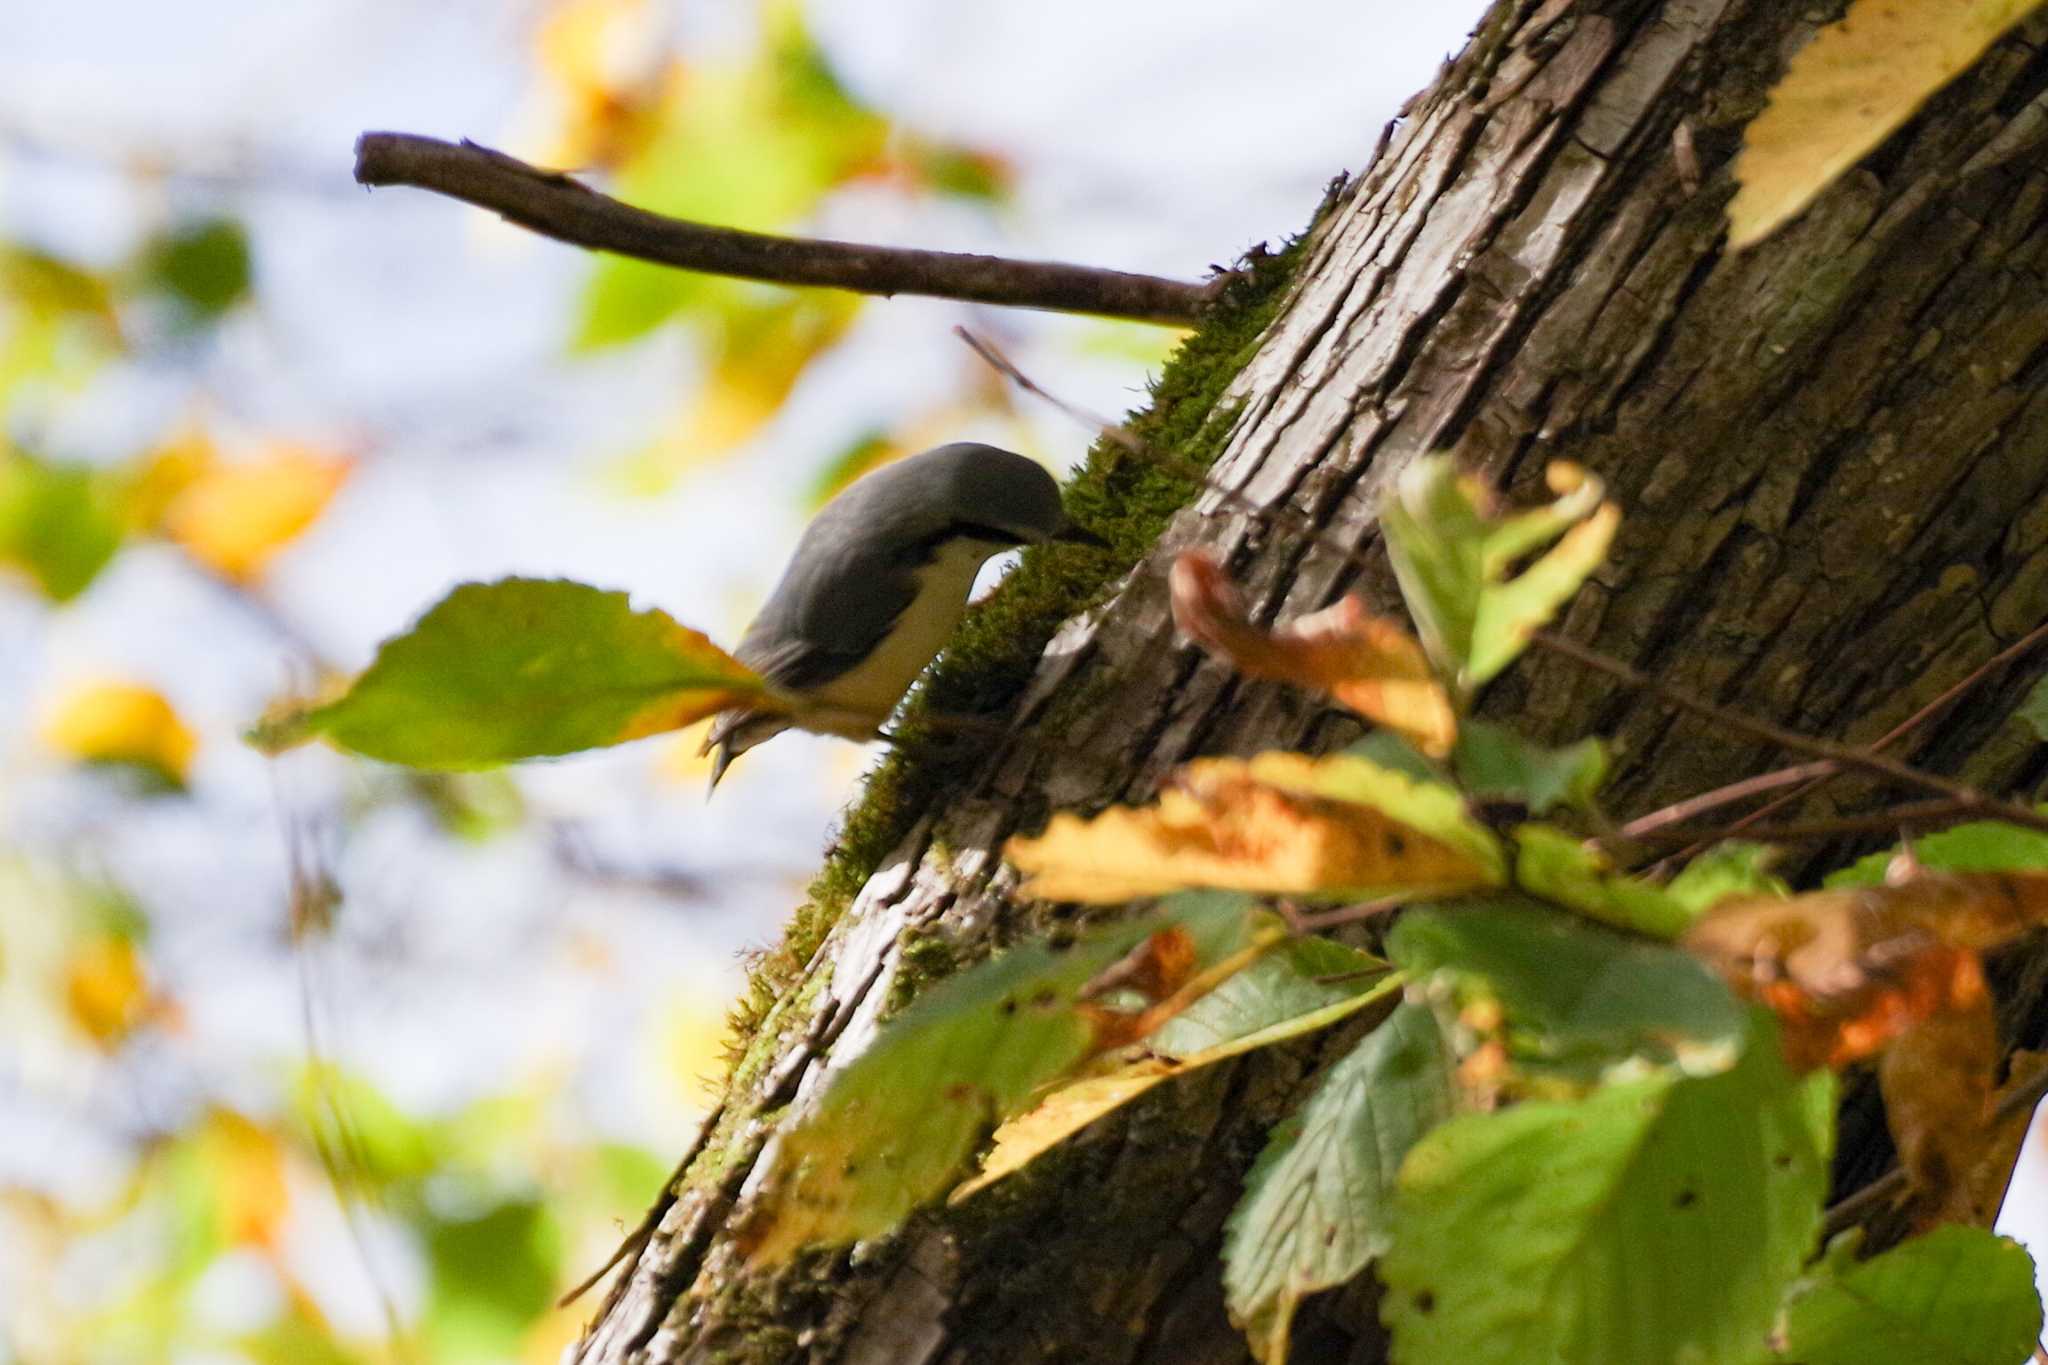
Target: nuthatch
{"type": "Point", "coordinates": [879, 580]}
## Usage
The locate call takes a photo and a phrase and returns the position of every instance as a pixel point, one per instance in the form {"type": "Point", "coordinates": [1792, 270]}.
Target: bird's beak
{"type": "Point", "coordinates": [1072, 534]}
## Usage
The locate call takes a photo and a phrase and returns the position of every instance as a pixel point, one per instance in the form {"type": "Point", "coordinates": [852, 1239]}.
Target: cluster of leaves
{"type": "Point", "coordinates": [63, 522]}
{"type": "Point", "coordinates": [1574, 1136]}
{"type": "Point", "coordinates": [1571, 1081]}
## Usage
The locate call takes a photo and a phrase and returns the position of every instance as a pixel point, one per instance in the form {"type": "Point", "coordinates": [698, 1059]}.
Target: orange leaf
{"type": "Point", "coordinates": [1219, 825]}
{"type": "Point", "coordinates": [1849, 970]}
{"type": "Point", "coordinates": [235, 518]}
{"type": "Point", "coordinates": [249, 1163]}
{"type": "Point", "coordinates": [1369, 663]}
{"type": "Point", "coordinates": [1894, 971]}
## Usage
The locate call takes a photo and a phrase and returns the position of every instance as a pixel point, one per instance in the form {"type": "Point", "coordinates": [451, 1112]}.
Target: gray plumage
{"type": "Point", "coordinates": [839, 626]}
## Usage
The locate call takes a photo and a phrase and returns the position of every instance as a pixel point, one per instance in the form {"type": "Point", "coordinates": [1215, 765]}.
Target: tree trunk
{"type": "Point", "coordinates": [1831, 453]}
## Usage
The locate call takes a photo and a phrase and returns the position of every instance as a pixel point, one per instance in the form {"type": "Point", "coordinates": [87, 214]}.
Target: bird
{"type": "Point", "coordinates": [878, 581]}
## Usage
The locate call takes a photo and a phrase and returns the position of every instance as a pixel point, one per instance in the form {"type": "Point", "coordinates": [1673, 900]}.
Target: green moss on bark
{"type": "Point", "coordinates": [1122, 498]}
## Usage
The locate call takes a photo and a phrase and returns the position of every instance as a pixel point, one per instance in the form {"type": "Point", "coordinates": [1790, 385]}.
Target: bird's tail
{"type": "Point", "coordinates": [735, 732]}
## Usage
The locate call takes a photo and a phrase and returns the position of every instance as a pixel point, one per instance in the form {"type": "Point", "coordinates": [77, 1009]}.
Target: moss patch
{"type": "Point", "coordinates": [1119, 496]}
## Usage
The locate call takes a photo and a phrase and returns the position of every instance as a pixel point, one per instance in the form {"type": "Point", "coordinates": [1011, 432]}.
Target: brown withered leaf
{"type": "Point", "coordinates": [1851, 969]}
{"type": "Point", "coordinates": [1936, 1082]}
{"type": "Point", "coordinates": [1219, 826]}
{"type": "Point", "coordinates": [1894, 972]}
{"type": "Point", "coordinates": [1162, 972]}
{"type": "Point", "coordinates": [1369, 663]}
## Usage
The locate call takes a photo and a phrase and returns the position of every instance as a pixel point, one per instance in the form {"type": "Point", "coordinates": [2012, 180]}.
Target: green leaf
{"type": "Point", "coordinates": [1957, 1296]}
{"type": "Point", "coordinates": [1510, 612]}
{"type": "Point", "coordinates": [1494, 763]}
{"type": "Point", "coordinates": [1317, 1204]}
{"type": "Point", "coordinates": [897, 1121]}
{"type": "Point", "coordinates": [523, 668]}
{"type": "Point", "coordinates": [493, 1276]}
{"type": "Point", "coordinates": [1734, 867]}
{"type": "Point", "coordinates": [49, 286]}
{"type": "Point", "coordinates": [1295, 979]}
{"type": "Point", "coordinates": [1453, 557]}
{"type": "Point", "coordinates": [755, 144]}
{"type": "Point", "coordinates": [1070, 1108]}
{"type": "Point", "coordinates": [59, 523]}
{"type": "Point", "coordinates": [203, 265]}
{"type": "Point", "coordinates": [1579, 1003]}
{"type": "Point", "coordinates": [863, 453]}
{"type": "Point", "coordinates": [1436, 541]}
{"type": "Point", "coordinates": [2034, 710]}
{"type": "Point", "coordinates": [1386, 749]}
{"type": "Point", "coordinates": [1655, 1220]}
{"type": "Point", "coordinates": [1555, 866]}
{"type": "Point", "coordinates": [1980, 846]}
{"type": "Point", "coordinates": [372, 1139]}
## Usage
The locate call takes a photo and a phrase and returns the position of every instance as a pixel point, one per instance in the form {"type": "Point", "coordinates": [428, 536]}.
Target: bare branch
{"type": "Point", "coordinates": [555, 205]}
{"type": "Point", "coordinates": [2026, 645]}
{"type": "Point", "coordinates": [1966, 798]}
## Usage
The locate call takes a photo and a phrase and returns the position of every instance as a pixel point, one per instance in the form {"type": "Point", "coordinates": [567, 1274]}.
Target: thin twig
{"type": "Point", "coordinates": [637, 1238]}
{"type": "Point", "coordinates": [1299, 522]}
{"type": "Point", "coordinates": [1681, 811]}
{"type": "Point", "coordinates": [2026, 644]}
{"type": "Point", "coordinates": [1350, 914]}
{"type": "Point", "coordinates": [554, 205]}
{"type": "Point", "coordinates": [1115, 431]}
{"type": "Point", "coordinates": [1933, 810]}
{"type": "Point", "coordinates": [1876, 764]}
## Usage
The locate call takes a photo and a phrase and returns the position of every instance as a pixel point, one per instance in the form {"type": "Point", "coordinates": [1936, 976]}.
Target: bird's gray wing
{"type": "Point", "coordinates": [822, 624]}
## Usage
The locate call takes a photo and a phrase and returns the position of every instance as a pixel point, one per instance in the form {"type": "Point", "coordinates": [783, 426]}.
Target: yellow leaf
{"type": "Point", "coordinates": [1847, 90]}
{"type": "Point", "coordinates": [1069, 1109]}
{"type": "Point", "coordinates": [118, 722]}
{"type": "Point", "coordinates": [248, 1165]}
{"type": "Point", "coordinates": [1369, 663]}
{"type": "Point", "coordinates": [607, 63]}
{"type": "Point", "coordinates": [1225, 823]}
{"type": "Point", "coordinates": [763, 349]}
{"type": "Point", "coordinates": [165, 473]}
{"type": "Point", "coordinates": [105, 990]}
{"type": "Point", "coordinates": [235, 518]}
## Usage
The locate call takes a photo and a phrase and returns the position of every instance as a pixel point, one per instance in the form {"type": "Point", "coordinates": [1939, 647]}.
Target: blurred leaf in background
{"type": "Point", "coordinates": [124, 725]}
{"type": "Point", "coordinates": [225, 451]}
{"type": "Point", "coordinates": [759, 142]}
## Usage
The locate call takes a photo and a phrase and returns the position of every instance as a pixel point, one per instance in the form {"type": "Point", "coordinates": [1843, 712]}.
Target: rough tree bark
{"type": "Point", "coordinates": [1831, 451]}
